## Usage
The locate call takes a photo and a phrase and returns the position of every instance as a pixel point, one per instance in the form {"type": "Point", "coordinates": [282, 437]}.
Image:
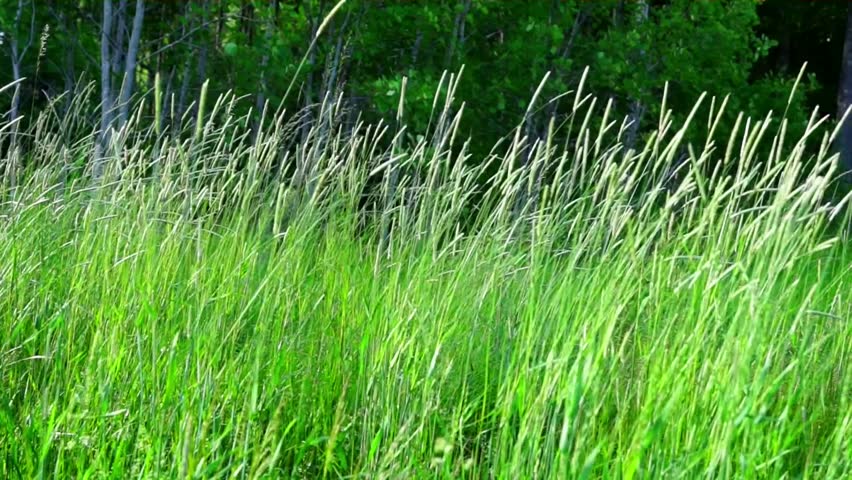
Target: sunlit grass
{"type": "Point", "coordinates": [229, 303]}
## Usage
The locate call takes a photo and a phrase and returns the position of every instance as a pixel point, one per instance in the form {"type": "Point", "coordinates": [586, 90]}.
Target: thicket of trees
{"type": "Point", "coordinates": [750, 49]}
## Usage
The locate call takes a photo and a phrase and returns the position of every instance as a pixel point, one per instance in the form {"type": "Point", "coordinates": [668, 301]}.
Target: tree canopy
{"type": "Point", "coordinates": [752, 50]}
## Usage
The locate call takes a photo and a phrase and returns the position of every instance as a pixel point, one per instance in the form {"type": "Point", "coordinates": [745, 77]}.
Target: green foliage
{"type": "Point", "coordinates": [506, 48]}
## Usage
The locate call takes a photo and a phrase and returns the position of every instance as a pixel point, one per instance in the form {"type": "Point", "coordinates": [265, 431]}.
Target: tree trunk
{"type": "Point", "coordinates": [202, 54]}
{"type": "Point", "coordinates": [186, 75]}
{"type": "Point", "coordinates": [168, 101]}
{"type": "Point", "coordinates": [130, 62]}
{"type": "Point", "coordinates": [415, 49]}
{"type": "Point", "coordinates": [68, 76]}
{"type": "Point", "coordinates": [308, 97]}
{"type": "Point", "coordinates": [637, 109]}
{"type": "Point", "coordinates": [184, 87]}
{"type": "Point", "coordinates": [844, 98]}
{"type": "Point", "coordinates": [220, 22]}
{"type": "Point", "coordinates": [457, 38]}
{"type": "Point", "coordinates": [16, 75]}
{"type": "Point", "coordinates": [260, 99]}
{"type": "Point", "coordinates": [118, 38]}
{"type": "Point", "coordinates": [336, 59]}
{"type": "Point", "coordinates": [106, 89]}
{"type": "Point", "coordinates": [17, 55]}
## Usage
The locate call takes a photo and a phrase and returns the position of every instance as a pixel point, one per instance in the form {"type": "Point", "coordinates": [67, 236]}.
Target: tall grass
{"type": "Point", "coordinates": [256, 301]}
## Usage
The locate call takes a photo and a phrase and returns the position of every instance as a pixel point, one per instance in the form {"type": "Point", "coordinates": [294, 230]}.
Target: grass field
{"type": "Point", "coordinates": [222, 306]}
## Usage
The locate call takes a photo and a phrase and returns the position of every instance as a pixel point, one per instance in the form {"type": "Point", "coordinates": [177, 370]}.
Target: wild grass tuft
{"type": "Point", "coordinates": [240, 300]}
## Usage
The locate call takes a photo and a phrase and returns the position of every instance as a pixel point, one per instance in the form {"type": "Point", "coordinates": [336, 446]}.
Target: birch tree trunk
{"type": "Point", "coordinates": [117, 38]}
{"type": "Point", "coordinates": [130, 62]}
{"type": "Point", "coordinates": [106, 89]}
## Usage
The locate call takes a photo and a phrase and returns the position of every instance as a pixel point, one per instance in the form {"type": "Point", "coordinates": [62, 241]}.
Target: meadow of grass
{"type": "Point", "coordinates": [233, 300]}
